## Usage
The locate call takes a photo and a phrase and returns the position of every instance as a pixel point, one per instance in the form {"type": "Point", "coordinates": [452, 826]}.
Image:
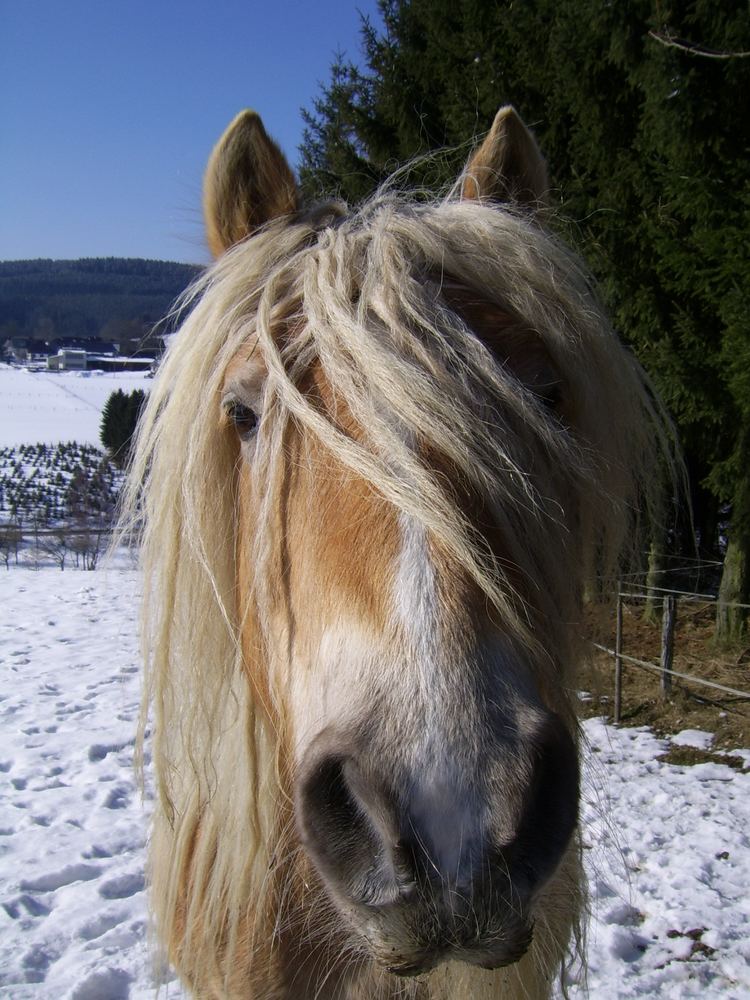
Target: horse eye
{"type": "Point", "coordinates": [244, 419]}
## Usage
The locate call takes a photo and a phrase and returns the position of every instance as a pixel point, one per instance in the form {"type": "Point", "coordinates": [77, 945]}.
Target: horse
{"type": "Point", "coordinates": [386, 455]}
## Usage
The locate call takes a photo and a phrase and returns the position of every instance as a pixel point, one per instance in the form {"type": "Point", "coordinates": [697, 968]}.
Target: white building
{"type": "Point", "coordinates": [67, 359]}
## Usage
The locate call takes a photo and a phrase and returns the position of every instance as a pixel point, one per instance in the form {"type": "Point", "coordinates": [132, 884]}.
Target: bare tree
{"type": "Point", "coordinates": [11, 537]}
{"type": "Point", "coordinates": [56, 546]}
{"type": "Point", "coordinates": [86, 543]}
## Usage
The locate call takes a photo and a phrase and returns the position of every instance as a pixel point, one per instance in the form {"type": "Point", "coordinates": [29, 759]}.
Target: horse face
{"type": "Point", "coordinates": [435, 787]}
{"type": "Point", "coordinates": [435, 790]}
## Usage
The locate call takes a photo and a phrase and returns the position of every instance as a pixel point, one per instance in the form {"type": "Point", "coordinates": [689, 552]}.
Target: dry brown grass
{"type": "Point", "coordinates": [690, 706]}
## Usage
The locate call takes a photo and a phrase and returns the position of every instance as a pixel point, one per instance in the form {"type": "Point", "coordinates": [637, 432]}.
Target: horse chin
{"type": "Point", "coordinates": [422, 948]}
{"type": "Point", "coordinates": [496, 954]}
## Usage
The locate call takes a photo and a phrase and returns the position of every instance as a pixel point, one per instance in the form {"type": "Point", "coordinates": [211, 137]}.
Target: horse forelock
{"type": "Point", "coordinates": [371, 299]}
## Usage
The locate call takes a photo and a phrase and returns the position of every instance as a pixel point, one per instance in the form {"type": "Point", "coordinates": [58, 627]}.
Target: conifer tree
{"type": "Point", "coordinates": [119, 419]}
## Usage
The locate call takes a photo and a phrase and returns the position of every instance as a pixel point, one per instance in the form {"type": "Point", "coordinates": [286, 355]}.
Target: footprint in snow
{"type": "Point", "coordinates": [628, 946]}
{"type": "Point", "coordinates": [122, 886]}
{"type": "Point", "coordinates": [97, 851]}
{"type": "Point", "coordinates": [104, 984]}
{"type": "Point", "coordinates": [134, 841]}
{"type": "Point", "coordinates": [122, 937]}
{"type": "Point", "coordinates": [100, 924]}
{"type": "Point", "coordinates": [54, 783]}
{"type": "Point", "coordinates": [98, 751]}
{"type": "Point", "coordinates": [15, 907]}
{"type": "Point", "coordinates": [623, 914]}
{"type": "Point", "coordinates": [37, 961]}
{"type": "Point", "coordinates": [118, 797]}
{"type": "Point", "coordinates": [64, 876]}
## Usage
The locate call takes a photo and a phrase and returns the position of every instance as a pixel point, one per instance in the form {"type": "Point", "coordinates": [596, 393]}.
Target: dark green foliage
{"type": "Point", "coordinates": [119, 419]}
{"type": "Point", "coordinates": [648, 146]}
{"type": "Point", "coordinates": [83, 298]}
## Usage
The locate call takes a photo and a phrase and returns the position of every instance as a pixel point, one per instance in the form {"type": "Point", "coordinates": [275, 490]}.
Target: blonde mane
{"type": "Point", "coordinates": [360, 296]}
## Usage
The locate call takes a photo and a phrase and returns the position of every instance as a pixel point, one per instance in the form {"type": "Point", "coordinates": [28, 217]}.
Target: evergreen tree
{"type": "Point", "coordinates": [119, 419]}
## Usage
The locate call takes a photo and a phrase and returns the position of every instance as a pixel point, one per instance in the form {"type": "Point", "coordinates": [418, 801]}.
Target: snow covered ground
{"type": "Point", "coordinates": [57, 406]}
{"type": "Point", "coordinates": [72, 825]}
{"type": "Point", "coordinates": [667, 854]}
{"type": "Point", "coordinates": [667, 848]}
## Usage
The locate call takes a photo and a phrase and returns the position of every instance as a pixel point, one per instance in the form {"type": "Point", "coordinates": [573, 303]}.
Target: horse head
{"type": "Point", "coordinates": [389, 448]}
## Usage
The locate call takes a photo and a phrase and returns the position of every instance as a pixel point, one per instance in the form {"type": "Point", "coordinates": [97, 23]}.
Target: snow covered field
{"type": "Point", "coordinates": [57, 406]}
{"type": "Point", "coordinates": [72, 825]}
{"type": "Point", "coordinates": [667, 848]}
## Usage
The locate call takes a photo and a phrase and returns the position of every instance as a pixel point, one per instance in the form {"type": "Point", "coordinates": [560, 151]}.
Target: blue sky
{"type": "Point", "coordinates": [109, 110]}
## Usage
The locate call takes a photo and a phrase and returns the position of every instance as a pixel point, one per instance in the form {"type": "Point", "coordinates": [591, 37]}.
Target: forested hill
{"type": "Point", "coordinates": [92, 297]}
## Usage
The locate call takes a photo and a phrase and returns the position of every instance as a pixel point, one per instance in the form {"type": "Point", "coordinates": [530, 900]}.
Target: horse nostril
{"type": "Point", "coordinates": [326, 797]}
{"type": "Point", "coordinates": [551, 812]}
{"type": "Point", "coordinates": [348, 828]}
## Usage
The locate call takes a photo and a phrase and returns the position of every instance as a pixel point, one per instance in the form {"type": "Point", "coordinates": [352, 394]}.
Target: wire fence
{"type": "Point", "coordinates": [686, 594]}
{"type": "Point", "coordinates": [693, 678]}
{"type": "Point", "coordinates": [670, 598]}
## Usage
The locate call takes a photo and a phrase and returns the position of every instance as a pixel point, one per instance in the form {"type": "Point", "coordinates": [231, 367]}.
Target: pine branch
{"type": "Point", "coordinates": [673, 42]}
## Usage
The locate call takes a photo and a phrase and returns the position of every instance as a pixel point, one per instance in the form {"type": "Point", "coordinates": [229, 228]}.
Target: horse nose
{"type": "Point", "coordinates": [446, 839]}
{"type": "Point", "coordinates": [377, 846]}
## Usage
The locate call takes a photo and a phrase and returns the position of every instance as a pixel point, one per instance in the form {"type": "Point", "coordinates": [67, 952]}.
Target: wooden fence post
{"type": "Point", "coordinates": [618, 657]}
{"type": "Point", "coordinates": [667, 643]}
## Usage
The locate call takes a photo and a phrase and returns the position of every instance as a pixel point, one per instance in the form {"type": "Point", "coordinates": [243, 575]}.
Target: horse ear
{"type": "Point", "coordinates": [247, 183]}
{"type": "Point", "coordinates": [508, 166]}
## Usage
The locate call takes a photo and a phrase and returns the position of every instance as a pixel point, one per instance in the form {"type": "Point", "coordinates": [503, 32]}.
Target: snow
{"type": "Point", "coordinates": [693, 738]}
{"type": "Point", "coordinates": [72, 825]}
{"type": "Point", "coordinates": [58, 406]}
{"type": "Point", "coordinates": [668, 857]}
{"type": "Point", "coordinates": [666, 847]}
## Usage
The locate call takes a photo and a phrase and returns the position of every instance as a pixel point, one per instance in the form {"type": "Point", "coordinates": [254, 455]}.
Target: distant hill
{"type": "Point", "coordinates": [108, 297]}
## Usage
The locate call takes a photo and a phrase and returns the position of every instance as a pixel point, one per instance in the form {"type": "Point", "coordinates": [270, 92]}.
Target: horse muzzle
{"type": "Point", "coordinates": [438, 863]}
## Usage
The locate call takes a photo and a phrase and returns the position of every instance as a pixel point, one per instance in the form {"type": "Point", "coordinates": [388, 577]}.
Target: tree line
{"type": "Point", "coordinates": [108, 297]}
{"type": "Point", "coordinates": [642, 111]}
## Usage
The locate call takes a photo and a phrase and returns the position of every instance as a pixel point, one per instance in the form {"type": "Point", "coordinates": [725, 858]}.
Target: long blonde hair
{"type": "Point", "coordinates": [360, 296]}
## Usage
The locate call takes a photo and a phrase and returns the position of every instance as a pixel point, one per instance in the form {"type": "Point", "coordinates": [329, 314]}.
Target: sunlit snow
{"type": "Point", "coordinates": [57, 406]}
